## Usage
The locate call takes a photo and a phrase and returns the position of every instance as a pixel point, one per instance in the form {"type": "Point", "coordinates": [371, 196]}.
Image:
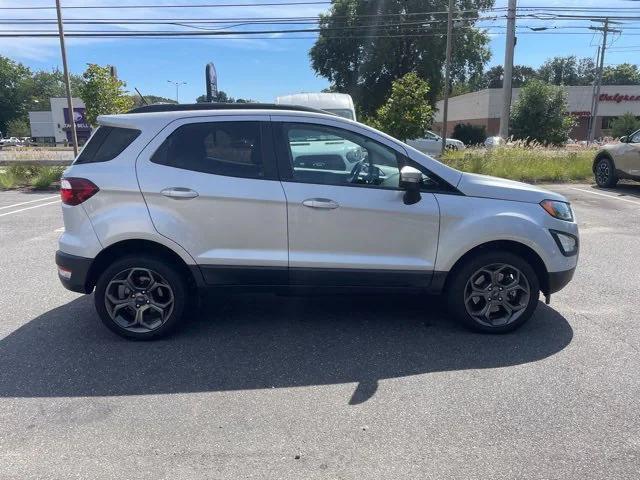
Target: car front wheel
{"type": "Point", "coordinates": [605, 173]}
{"type": "Point", "coordinates": [141, 297]}
{"type": "Point", "coordinates": [494, 292]}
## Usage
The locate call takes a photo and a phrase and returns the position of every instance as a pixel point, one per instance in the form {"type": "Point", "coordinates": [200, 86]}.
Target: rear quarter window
{"type": "Point", "coordinates": [106, 144]}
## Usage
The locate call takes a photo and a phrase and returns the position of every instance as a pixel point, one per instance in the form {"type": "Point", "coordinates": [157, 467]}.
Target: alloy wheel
{"type": "Point", "coordinates": [139, 300]}
{"type": "Point", "coordinates": [497, 295]}
{"type": "Point", "coordinates": [603, 172]}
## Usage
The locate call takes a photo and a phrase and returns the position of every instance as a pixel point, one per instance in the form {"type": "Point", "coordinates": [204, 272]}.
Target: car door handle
{"type": "Point", "coordinates": [320, 203]}
{"type": "Point", "coordinates": [179, 193]}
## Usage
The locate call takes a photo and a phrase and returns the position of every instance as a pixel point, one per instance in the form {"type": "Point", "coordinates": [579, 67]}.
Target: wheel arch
{"type": "Point", "coordinates": [517, 248]}
{"type": "Point", "coordinates": [148, 247]}
{"type": "Point", "coordinates": [599, 156]}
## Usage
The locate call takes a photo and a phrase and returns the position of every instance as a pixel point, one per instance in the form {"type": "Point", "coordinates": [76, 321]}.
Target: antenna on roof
{"type": "Point", "coordinates": [144, 101]}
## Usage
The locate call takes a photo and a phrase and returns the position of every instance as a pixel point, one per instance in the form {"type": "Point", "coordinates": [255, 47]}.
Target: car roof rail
{"type": "Point", "coordinates": [178, 107]}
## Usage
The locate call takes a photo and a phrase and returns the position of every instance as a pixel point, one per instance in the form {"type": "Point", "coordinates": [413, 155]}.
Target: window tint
{"type": "Point", "coordinates": [635, 138]}
{"type": "Point", "coordinates": [333, 156]}
{"type": "Point", "coordinates": [106, 144]}
{"type": "Point", "coordinates": [221, 148]}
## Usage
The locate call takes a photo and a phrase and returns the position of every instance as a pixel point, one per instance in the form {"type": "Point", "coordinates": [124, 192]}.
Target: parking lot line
{"type": "Point", "coordinates": [605, 195]}
{"type": "Point", "coordinates": [30, 201]}
{"type": "Point", "coordinates": [29, 208]}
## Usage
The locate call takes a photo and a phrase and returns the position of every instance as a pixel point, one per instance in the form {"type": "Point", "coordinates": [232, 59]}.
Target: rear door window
{"type": "Point", "coordinates": [106, 144]}
{"type": "Point", "coordinates": [222, 148]}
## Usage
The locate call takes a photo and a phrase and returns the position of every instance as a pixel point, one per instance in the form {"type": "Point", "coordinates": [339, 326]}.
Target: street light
{"type": "Point", "coordinates": [177, 84]}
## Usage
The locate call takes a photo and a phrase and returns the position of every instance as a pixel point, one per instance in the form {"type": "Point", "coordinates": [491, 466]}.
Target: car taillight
{"type": "Point", "coordinates": [74, 191]}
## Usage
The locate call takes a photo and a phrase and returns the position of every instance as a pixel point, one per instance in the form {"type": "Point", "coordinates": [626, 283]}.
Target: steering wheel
{"type": "Point", "coordinates": [372, 173]}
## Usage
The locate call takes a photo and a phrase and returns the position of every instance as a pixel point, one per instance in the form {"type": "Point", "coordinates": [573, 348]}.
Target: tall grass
{"type": "Point", "coordinates": [36, 176]}
{"type": "Point", "coordinates": [529, 164]}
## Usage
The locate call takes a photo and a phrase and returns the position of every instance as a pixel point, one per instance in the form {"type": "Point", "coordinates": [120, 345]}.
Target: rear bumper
{"type": "Point", "coordinates": [558, 280]}
{"type": "Point", "coordinates": [73, 272]}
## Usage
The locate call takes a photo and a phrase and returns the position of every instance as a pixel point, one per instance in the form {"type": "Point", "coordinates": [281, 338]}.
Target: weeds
{"type": "Point", "coordinates": [37, 176]}
{"type": "Point", "coordinates": [530, 164]}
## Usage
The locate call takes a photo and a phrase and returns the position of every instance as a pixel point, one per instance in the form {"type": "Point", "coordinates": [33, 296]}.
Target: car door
{"type": "Point", "coordinates": [210, 185]}
{"type": "Point", "coordinates": [629, 155]}
{"type": "Point", "coordinates": [348, 223]}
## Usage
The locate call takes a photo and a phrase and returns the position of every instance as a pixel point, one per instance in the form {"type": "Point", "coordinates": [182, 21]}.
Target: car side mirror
{"type": "Point", "coordinates": [410, 181]}
{"type": "Point", "coordinates": [624, 139]}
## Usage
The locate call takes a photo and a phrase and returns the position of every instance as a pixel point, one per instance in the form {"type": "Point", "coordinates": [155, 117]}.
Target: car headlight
{"type": "Point", "coordinates": [558, 209]}
{"type": "Point", "coordinates": [567, 243]}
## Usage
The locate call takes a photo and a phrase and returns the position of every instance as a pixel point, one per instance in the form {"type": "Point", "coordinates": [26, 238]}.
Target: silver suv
{"type": "Point", "coordinates": [170, 199]}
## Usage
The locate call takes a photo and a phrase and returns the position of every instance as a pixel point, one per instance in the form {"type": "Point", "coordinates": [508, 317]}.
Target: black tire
{"type": "Point", "coordinates": [605, 173]}
{"type": "Point", "coordinates": [456, 290]}
{"type": "Point", "coordinates": [166, 273]}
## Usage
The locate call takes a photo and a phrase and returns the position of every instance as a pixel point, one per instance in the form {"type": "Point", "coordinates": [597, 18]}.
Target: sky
{"type": "Point", "coordinates": [262, 68]}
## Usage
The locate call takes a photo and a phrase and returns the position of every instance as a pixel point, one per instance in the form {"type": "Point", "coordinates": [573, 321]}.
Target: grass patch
{"type": "Point", "coordinates": [46, 176]}
{"type": "Point", "coordinates": [527, 164]}
{"type": "Point", "coordinates": [36, 176]}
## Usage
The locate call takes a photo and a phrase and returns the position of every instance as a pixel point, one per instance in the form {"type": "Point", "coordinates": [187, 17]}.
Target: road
{"type": "Point", "coordinates": [328, 387]}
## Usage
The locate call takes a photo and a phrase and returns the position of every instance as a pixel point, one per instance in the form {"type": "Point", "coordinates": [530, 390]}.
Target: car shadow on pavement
{"type": "Point", "coordinates": [622, 190]}
{"type": "Point", "coordinates": [263, 341]}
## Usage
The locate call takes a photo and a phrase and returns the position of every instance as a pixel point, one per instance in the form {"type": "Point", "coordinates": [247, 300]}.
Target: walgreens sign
{"type": "Point", "coordinates": [618, 97]}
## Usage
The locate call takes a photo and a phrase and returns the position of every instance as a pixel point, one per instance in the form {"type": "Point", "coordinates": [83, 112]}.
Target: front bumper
{"type": "Point", "coordinates": [558, 280]}
{"type": "Point", "coordinates": [73, 272]}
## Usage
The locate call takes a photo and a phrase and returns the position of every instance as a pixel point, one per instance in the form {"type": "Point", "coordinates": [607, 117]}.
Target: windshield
{"type": "Point", "coordinates": [341, 112]}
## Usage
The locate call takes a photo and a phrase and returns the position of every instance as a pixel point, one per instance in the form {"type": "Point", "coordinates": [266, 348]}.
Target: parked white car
{"type": "Point", "coordinates": [171, 199]}
{"type": "Point", "coordinates": [492, 142]}
{"type": "Point", "coordinates": [431, 144]}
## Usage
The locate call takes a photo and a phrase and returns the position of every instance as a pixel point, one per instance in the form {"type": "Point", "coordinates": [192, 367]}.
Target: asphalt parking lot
{"type": "Point", "coordinates": [329, 387]}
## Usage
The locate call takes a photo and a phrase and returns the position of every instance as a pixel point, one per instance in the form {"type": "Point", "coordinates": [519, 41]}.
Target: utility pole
{"type": "Point", "coordinates": [177, 84]}
{"type": "Point", "coordinates": [67, 81]}
{"type": "Point", "coordinates": [447, 67]}
{"type": "Point", "coordinates": [596, 96]}
{"type": "Point", "coordinates": [508, 69]}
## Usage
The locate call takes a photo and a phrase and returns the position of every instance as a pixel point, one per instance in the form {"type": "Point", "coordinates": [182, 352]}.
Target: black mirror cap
{"type": "Point", "coordinates": [412, 193]}
{"type": "Point", "coordinates": [624, 139]}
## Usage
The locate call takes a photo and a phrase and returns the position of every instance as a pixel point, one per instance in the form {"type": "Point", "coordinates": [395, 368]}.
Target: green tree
{"type": "Point", "coordinates": [540, 114]}
{"type": "Point", "coordinates": [407, 113]}
{"type": "Point", "coordinates": [222, 97]}
{"type": "Point", "coordinates": [623, 74]}
{"type": "Point", "coordinates": [363, 46]}
{"type": "Point", "coordinates": [44, 85]}
{"type": "Point", "coordinates": [18, 127]}
{"type": "Point", "coordinates": [625, 124]}
{"type": "Point", "coordinates": [567, 70]}
{"type": "Point", "coordinates": [103, 94]}
{"type": "Point", "coordinates": [14, 79]}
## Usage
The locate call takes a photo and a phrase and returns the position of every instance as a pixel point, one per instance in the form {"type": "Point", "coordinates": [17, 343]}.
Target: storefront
{"type": "Point", "coordinates": [484, 108]}
{"type": "Point", "coordinates": [54, 127]}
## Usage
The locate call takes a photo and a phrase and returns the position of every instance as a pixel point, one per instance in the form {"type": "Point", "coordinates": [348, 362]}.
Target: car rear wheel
{"type": "Point", "coordinates": [494, 292]}
{"type": "Point", "coordinates": [141, 297]}
{"type": "Point", "coordinates": [605, 173]}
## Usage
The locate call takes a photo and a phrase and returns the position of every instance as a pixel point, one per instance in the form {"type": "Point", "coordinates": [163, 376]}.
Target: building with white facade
{"type": "Point", "coordinates": [484, 108]}
{"type": "Point", "coordinates": [54, 126]}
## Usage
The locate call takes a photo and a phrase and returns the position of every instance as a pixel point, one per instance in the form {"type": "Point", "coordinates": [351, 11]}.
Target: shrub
{"type": "Point", "coordinates": [625, 124]}
{"type": "Point", "coordinates": [8, 180]}
{"type": "Point", "coordinates": [470, 134]}
{"type": "Point", "coordinates": [45, 176]}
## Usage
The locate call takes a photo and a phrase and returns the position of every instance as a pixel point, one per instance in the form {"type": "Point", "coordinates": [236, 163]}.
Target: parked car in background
{"type": "Point", "coordinates": [170, 199]}
{"type": "Point", "coordinates": [492, 142]}
{"type": "Point", "coordinates": [618, 161]}
{"type": "Point", "coordinates": [431, 144]}
{"type": "Point", "coordinates": [340, 104]}
{"type": "Point", "coordinates": [11, 142]}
